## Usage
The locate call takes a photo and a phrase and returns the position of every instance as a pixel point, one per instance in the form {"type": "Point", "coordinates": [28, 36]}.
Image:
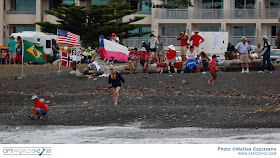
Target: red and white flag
{"type": "Point", "coordinates": [66, 60]}
{"type": "Point", "coordinates": [66, 37]}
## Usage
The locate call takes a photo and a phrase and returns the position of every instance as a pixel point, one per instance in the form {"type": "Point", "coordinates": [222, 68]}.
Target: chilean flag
{"type": "Point", "coordinates": [109, 50]}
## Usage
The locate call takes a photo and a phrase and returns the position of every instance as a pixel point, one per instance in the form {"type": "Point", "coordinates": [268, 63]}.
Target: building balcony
{"type": "Point", "coordinates": [217, 13]}
{"type": "Point", "coordinates": [8, 12]}
{"type": "Point", "coordinates": [167, 40]}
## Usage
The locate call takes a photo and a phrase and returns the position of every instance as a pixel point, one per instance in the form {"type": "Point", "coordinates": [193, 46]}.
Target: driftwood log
{"type": "Point", "coordinates": [152, 68]}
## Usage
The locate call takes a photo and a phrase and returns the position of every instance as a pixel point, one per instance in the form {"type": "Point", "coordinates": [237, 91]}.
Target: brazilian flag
{"type": "Point", "coordinates": [32, 52]}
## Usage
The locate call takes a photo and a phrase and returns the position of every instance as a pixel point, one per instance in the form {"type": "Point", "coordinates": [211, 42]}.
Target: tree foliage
{"type": "Point", "coordinates": [277, 41]}
{"type": "Point", "coordinates": [94, 21]}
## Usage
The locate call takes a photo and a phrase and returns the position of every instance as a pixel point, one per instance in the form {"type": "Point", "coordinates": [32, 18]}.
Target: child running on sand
{"type": "Point", "coordinates": [115, 82]}
{"type": "Point", "coordinates": [213, 70]}
{"type": "Point", "coordinates": [39, 108]}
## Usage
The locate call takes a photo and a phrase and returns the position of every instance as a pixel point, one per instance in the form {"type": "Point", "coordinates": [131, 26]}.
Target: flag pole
{"type": "Point", "coordinates": [22, 52]}
{"type": "Point", "coordinates": [59, 62]}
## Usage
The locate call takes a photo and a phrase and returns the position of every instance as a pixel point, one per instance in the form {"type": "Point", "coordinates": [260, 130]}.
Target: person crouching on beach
{"type": "Point", "coordinates": [213, 70]}
{"type": "Point", "coordinates": [39, 108]}
{"type": "Point", "coordinates": [205, 62]}
{"type": "Point", "coordinates": [115, 82]}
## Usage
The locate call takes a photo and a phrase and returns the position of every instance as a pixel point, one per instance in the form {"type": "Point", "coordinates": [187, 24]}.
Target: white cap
{"type": "Point", "coordinates": [143, 41]}
{"type": "Point", "coordinates": [143, 49]}
{"type": "Point", "coordinates": [264, 36]}
{"type": "Point", "coordinates": [196, 31]}
{"type": "Point", "coordinates": [34, 97]}
{"type": "Point", "coordinates": [171, 47]}
{"type": "Point", "coordinates": [243, 38]}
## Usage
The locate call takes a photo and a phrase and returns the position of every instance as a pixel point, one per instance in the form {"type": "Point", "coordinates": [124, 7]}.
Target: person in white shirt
{"type": "Point", "coordinates": [191, 54]}
{"type": "Point", "coordinates": [114, 38]}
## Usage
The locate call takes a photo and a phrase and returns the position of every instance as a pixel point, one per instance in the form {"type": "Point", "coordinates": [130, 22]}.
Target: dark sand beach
{"type": "Point", "coordinates": [157, 101]}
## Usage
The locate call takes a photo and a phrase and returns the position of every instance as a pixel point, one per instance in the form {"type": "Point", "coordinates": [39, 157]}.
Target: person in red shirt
{"type": "Point", "coordinates": [144, 59]}
{"type": "Point", "coordinates": [39, 108]}
{"type": "Point", "coordinates": [184, 44]}
{"type": "Point", "coordinates": [133, 58]}
{"type": "Point", "coordinates": [197, 40]}
{"type": "Point", "coordinates": [171, 58]}
{"type": "Point", "coordinates": [213, 70]}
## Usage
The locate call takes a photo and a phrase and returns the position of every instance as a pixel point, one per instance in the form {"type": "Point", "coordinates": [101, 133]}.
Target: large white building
{"type": "Point", "coordinates": [250, 18]}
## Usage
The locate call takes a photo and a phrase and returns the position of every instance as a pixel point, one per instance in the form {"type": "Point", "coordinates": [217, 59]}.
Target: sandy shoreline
{"type": "Point", "coordinates": [159, 101]}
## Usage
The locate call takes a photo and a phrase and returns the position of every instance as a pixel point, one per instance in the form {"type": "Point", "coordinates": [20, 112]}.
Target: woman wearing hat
{"type": "Point", "coordinates": [115, 82]}
{"type": "Point", "coordinates": [171, 58]}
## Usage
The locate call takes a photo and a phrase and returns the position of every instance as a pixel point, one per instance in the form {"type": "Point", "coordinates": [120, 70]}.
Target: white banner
{"type": "Point", "coordinates": [139, 151]}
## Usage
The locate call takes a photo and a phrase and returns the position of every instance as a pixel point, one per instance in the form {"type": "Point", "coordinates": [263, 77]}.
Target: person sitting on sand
{"type": "Point", "coordinates": [205, 62]}
{"type": "Point", "coordinates": [144, 59]}
{"type": "Point", "coordinates": [213, 70]}
{"type": "Point", "coordinates": [115, 82]}
{"type": "Point", "coordinates": [171, 58]}
{"type": "Point", "coordinates": [133, 57]}
{"type": "Point", "coordinates": [39, 108]}
{"type": "Point", "coordinates": [191, 54]}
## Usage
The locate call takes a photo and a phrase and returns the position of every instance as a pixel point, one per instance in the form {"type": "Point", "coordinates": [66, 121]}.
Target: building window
{"type": "Point", "coordinates": [274, 30]}
{"type": "Point", "coordinates": [55, 3]}
{"type": "Point", "coordinates": [17, 29]}
{"type": "Point", "coordinates": [205, 28]}
{"type": "Point", "coordinates": [172, 30]}
{"type": "Point", "coordinates": [245, 4]}
{"type": "Point", "coordinates": [99, 2]}
{"type": "Point", "coordinates": [142, 29]}
{"type": "Point", "coordinates": [170, 3]}
{"type": "Point", "coordinates": [23, 5]}
{"type": "Point", "coordinates": [68, 1]}
{"type": "Point", "coordinates": [273, 4]}
{"type": "Point", "coordinates": [243, 31]}
{"type": "Point", "coordinates": [210, 4]}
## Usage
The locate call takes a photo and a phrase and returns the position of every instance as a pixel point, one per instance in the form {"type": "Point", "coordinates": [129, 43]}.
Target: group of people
{"type": "Point", "coordinates": [153, 51]}
{"type": "Point", "coordinates": [15, 50]}
{"type": "Point", "coordinates": [255, 51]}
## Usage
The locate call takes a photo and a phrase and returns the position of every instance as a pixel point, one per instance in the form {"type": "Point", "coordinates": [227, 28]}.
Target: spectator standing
{"type": "Point", "coordinates": [160, 49]}
{"type": "Point", "coordinates": [171, 58]}
{"type": "Point", "coordinates": [12, 50]}
{"type": "Point", "coordinates": [19, 50]}
{"type": "Point", "coordinates": [183, 44]}
{"type": "Point", "coordinates": [152, 45]}
{"type": "Point", "coordinates": [114, 38]}
{"type": "Point", "coordinates": [244, 50]}
{"type": "Point", "coordinates": [55, 49]}
{"type": "Point", "coordinates": [197, 40]}
{"type": "Point", "coordinates": [266, 55]}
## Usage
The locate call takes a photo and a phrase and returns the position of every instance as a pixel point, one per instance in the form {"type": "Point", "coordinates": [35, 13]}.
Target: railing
{"type": "Point", "coordinates": [143, 12]}
{"type": "Point", "coordinates": [217, 13]}
{"type": "Point", "coordinates": [5, 41]}
{"type": "Point", "coordinates": [137, 41]}
{"type": "Point", "coordinates": [21, 12]}
{"type": "Point", "coordinates": [253, 40]}
{"type": "Point", "coordinates": [171, 14]}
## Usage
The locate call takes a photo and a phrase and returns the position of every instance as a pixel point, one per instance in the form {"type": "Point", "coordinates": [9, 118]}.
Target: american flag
{"type": "Point", "coordinates": [66, 37]}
